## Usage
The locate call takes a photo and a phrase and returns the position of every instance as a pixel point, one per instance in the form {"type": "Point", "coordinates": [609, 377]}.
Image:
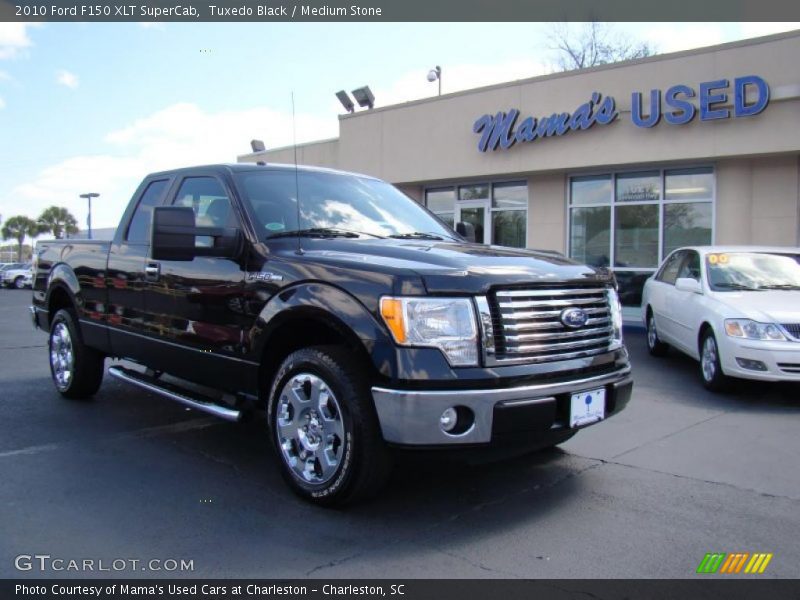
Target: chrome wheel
{"type": "Point", "coordinates": [310, 428]}
{"type": "Point", "coordinates": [652, 336]}
{"type": "Point", "coordinates": [708, 360]}
{"type": "Point", "coordinates": [62, 357]}
{"type": "Point", "coordinates": [19, 283]}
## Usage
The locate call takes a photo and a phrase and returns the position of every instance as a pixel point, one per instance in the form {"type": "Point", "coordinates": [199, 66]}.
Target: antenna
{"type": "Point", "coordinates": [296, 176]}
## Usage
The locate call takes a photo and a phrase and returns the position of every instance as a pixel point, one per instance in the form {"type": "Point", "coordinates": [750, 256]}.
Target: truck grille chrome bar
{"type": "Point", "coordinates": [525, 325]}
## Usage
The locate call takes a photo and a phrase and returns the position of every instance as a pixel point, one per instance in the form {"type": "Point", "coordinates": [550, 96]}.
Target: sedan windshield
{"type": "Point", "coordinates": [334, 205]}
{"type": "Point", "coordinates": [753, 271]}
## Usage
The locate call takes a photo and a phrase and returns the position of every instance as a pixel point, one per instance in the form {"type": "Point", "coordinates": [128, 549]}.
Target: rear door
{"type": "Point", "coordinates": [198, 305]}
{"type": "Point", "coordinates": [126, 280]}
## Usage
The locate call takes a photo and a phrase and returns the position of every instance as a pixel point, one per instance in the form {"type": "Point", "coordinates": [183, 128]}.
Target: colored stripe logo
{"type": "Point", "coordinates": [736, 562]}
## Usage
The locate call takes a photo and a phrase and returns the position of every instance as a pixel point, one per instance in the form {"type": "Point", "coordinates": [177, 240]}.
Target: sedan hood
{"type": "Point", "coordinates": [771, 306]}
{"type": "Point", "coordinates": [453, 267]}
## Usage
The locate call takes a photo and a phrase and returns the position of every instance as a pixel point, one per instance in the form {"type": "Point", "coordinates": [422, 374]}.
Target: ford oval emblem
{"type": "Point", "coordinates": [574, 317]}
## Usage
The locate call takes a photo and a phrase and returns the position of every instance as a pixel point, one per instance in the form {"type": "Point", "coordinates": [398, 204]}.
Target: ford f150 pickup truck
{"type": "Point", "coordinates": [356, 318]}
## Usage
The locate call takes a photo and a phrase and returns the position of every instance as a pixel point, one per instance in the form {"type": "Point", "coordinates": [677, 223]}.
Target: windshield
{"type": "Point", "coordinates": [736, 271]}
{"type": "Point", "coordinates": [332, 203]}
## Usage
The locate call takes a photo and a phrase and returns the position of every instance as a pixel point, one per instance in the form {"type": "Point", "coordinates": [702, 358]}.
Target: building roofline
{"type": "Point", "coordinates": [257, 155]}
{"type": "Point", "coordinates": [579, 72]}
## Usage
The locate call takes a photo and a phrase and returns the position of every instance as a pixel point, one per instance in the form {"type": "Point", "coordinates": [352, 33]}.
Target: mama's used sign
{"type": "Point", "coordinates": [750, 96]}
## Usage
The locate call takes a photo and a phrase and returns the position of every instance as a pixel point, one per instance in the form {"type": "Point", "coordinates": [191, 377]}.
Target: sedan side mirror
{"type": "Point", "coordinates": [687, 284]}
{"type": "Point", "coordinates": [174, 236]}
{"type": "Point", "coordinates": [466, 230]}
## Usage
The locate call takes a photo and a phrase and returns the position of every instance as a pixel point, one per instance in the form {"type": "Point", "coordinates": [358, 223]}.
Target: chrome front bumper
{"type": "Point", "coordinates": [411, 417]}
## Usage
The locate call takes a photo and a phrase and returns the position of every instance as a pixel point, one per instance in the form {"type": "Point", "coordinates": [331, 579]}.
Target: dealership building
{"type": "Point", "coordinates": [614, 165]}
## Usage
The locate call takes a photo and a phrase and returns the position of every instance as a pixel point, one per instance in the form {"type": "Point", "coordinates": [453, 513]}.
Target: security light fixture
{"type": "Point", "coordinates": [435, 74]}
{"type": "Point", "coordinates": [89, 197]}
{"type": "Point", "coordinates": [346, 101]}
{"type": "Point", "coordinates": [257, 145]}
{"type": "Point", "coordinates": [364, 97]}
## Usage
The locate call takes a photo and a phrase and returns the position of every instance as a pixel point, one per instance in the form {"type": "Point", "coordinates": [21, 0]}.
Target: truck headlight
{"type": "Point", "coordinates": [615, 312]}
{"type": "Point", "coordinates": [444, 323]}
{"type": "Point", "coordinates": [753, 330]}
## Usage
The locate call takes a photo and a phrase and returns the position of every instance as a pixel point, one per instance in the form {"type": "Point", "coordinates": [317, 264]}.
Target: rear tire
{"type": "Point", "coordinates": [324, 427]}
{"type": "Point", "coordinates": [77, 370]}
{"type": "Point", "coordinates": [710, 365]}
{"type": "Point", "coordinates": [654, 344]}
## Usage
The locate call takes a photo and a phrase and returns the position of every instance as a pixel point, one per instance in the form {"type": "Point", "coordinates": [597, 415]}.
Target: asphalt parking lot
{"type": "Point", "coordinates": [129, 475]}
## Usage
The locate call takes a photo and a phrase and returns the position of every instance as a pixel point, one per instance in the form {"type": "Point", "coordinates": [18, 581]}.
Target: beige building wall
{"type": "Point", "coordinates": [547, 215]}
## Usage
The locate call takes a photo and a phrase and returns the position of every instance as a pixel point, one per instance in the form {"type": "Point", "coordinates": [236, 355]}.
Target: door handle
{"type": "Point", "coordinates": [152, 271]}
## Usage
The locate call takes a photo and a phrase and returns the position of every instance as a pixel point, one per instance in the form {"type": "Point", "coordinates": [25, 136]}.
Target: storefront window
{"type": "Point", "coordinates": [686, 224]}
{"type": "Point", "coordinates": [689, 184]}
{"type": "Point", "coordinates": [590, 190]}
{"type": "Point", "coordinates": [636, 236]}
{"type": "Point", "coordinates": [442, 203]}
{"type": "Point", "coordinates": [473, 192]}
{"type": "Point", "coordinates": [590, 235]}
{"type": "Point", "coordinates": [639, 187]}
{"type": "Point", "coordinates": [509, 214]}
{"type": "Point", "coordinates": [633, 220]}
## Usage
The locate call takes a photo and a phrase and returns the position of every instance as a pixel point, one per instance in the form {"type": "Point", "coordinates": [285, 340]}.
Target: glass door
{"type": "Point", "coordinates": [476, 213]}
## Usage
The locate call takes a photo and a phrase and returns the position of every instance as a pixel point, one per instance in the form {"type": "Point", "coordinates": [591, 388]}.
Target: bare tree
{"type": "Point", "coordinates": [593, 44]}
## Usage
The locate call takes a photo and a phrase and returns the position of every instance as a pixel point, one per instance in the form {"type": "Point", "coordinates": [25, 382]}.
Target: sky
{"type": "Point", "coordinates": [95, 107]}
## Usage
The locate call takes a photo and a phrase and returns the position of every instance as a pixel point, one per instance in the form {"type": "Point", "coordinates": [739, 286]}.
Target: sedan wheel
{"type": "Point", "coordinates": [19, 283]}
{"type": "Point", "coordinates": [654, 345]}
{"type": "Point", "coordinates": [710, 366]}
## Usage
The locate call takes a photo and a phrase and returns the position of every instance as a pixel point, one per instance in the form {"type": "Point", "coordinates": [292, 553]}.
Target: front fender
{"type": "Point", "coordinates": [336, 308]}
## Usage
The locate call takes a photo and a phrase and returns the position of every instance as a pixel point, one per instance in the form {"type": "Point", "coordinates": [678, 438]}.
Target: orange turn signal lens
{"type": "Point", "coordinates": [392, 313]}
{"type": "Point", "coordinates": [733, 328]}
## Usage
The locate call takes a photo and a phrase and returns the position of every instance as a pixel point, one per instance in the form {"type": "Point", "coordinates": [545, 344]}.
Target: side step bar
{"type": "Point", "coordinates": [173, 392]}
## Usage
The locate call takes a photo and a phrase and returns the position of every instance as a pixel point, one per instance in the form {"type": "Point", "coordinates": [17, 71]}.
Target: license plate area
{"type": "Point", "coordinates": [587, 407]}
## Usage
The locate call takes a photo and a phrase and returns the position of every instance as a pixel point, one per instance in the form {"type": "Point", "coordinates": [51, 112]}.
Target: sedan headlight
{"type": "Point", "coordinates": [753, 330]}
{"type": "Point", "coordinates": [615, 309]}
{"type": "Point", "coordinates": [444, 323]}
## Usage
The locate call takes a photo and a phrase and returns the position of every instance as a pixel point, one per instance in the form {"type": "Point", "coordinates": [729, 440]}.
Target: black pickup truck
{"type": "Point", "coordinates": [358, 320]}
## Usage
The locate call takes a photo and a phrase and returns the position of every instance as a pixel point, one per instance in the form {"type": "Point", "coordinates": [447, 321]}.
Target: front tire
{"type": "Point", "coordinates": [77, 370]}
{"type": "Point", "coordinates": [710, 365]}
{"type": "Point", "coordinates": [654, 344]}
{"type": "Point", "coordinates": [19, 283]}
{"type": "Point", "coordinates": [324, 427]}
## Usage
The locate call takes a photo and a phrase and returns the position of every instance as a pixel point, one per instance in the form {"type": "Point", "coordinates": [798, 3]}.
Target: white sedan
{"type": "Point", "coordinates": [736, 309]}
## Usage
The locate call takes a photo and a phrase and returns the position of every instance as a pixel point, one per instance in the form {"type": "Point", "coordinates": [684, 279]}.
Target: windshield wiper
{"type": "Point", "coordinates": [416, 235]}
{"type": "Point", "coordinates": [323, 232]}
{"type": "Point", "coordinates": [738, 286]}
{"type": "Point", "coordinates": [780, 286]}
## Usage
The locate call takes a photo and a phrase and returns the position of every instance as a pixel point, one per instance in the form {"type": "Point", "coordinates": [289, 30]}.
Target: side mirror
{"type": "Point", "coordinates": [687, 284]}
{"type": "Point", "coordinates": [466, 230]}
{"type": "Point", "coordinates": [174, 236]}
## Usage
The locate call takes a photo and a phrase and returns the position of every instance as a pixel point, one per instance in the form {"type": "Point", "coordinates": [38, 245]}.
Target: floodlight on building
{"type": "Point", "coordinates": [257, 145]}
{"type": "Point", "coordinates": [346, 101]}
{"type": "Point", "coordinates": [364, 97]}
{"type": "Point", "coordinates": [435, 74]}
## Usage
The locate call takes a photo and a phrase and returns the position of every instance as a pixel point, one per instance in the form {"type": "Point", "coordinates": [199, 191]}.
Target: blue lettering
{"type": "Point", "coordinates": [740, 106]}
{"type": "Point", "coordinates": [654, 114]}
{"type": "Point", "coordinates": [497, 129]}
{"type": "Point", "coordinates": [608, 110]}
{"type": "Point", "coordinates": [685, 110]}
{"type": "Point", "coordinates": [707, 99]}
{"type": "Point", "coordinates": [525, 131]}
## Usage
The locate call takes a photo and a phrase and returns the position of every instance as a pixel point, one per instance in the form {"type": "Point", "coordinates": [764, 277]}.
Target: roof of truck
{"type": "Point", "coordinates": [249, 167]}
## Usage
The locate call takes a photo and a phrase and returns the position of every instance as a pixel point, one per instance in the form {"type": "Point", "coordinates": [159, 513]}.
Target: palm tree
{"type": "Point", "coordinates": [18, 228]}
{"type": "Point", "coordinates": [58, 220]}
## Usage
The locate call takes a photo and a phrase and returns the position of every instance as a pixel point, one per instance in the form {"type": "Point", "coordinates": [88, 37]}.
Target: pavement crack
{"type": "Point", "coordinates": [669, 435]}
{"type": "Point", "coordinates": [336, 562]}
{"type": "Point", "coordinates": [477, 564]}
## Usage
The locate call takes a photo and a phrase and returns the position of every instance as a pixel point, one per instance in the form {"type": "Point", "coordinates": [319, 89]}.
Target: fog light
{"type": "Point", "coordinates": [752, 365]}
{"type": "Point", "coordinates": [449, 419]}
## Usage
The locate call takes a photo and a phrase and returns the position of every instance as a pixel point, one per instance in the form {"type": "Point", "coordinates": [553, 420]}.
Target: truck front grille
{"type": "Point", "coordinates": [527, 324]}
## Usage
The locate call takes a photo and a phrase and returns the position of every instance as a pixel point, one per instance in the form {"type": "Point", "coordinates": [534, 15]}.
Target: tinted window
{"type": "Point", "coordinates": [669, 272]}
{"type": "Point", "coordinates": [139, 228]}
{"type": "Point", "coordinates": [208, 198]}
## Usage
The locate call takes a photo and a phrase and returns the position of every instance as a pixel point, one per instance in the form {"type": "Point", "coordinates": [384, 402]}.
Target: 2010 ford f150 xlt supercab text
{"type": "Point", "coordinates": [359, 320]}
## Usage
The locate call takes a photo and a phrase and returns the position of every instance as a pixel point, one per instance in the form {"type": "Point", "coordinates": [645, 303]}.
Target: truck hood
{"type": "Point", "coordinates": [454, 267]}
{"type": "Point", "coordinates": [771, 306]}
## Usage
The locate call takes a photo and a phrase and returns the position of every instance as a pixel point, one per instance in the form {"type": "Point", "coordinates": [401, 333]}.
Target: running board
{"type": "Point", "coordinates": [173, 392]}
